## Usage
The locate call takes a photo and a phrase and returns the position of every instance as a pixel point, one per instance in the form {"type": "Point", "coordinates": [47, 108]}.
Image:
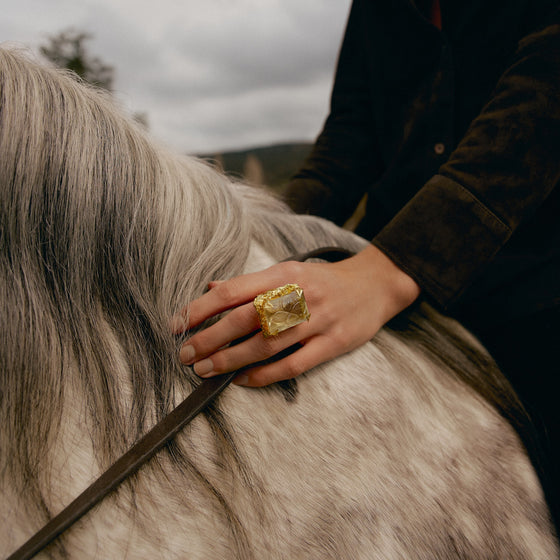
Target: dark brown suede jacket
{"type": "Point", "coordinates": [455, 138]}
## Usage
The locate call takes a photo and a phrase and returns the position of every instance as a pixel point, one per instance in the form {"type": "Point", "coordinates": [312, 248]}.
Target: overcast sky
{"type": "Point", "coordinates": [211, 75]}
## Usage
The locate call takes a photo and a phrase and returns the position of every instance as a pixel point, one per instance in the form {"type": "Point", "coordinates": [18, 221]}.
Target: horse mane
{"type": "Point", "coordinates": [104, 235]}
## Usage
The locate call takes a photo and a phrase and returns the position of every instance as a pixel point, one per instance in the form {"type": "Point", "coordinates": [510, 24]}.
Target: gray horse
{"type": "Point", "coordinates": [386, 452]}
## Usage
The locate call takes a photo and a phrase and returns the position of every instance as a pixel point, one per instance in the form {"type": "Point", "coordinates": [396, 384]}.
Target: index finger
{"type": "Point", "coordinates": [232, 293]}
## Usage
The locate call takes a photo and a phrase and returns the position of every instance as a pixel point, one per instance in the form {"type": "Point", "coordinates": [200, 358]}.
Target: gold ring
{"type": "Point", "coordinates": [281, 309]}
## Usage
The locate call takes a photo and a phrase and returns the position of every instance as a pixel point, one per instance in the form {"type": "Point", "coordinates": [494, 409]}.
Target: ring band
{"type": "Point", "coordinates": [281, 309]}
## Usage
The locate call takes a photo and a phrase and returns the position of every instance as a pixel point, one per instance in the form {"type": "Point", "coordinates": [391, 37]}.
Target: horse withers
{"type": "Point", "coordinates": [395, 450]}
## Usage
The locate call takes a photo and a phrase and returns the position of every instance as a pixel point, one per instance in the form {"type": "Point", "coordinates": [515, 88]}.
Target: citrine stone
{"type": "Point", "coordinates": [281, 309]}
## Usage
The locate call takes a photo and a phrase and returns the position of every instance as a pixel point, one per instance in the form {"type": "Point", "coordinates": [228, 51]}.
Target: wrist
{"type": "Point", "coordinates": [401, 290]}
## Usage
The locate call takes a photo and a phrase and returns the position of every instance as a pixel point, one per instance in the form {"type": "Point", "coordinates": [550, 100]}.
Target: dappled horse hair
{"type": "Point", "coordinates": [385, 452]}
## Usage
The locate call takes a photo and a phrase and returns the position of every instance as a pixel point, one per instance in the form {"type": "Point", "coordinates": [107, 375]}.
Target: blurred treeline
{"type": "Point", "coordinates": [271, 166]}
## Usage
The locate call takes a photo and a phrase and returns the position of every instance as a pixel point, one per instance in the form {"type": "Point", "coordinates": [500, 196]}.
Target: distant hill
{"type": "Point", "coordinates": [269, 165]}
{"type": "Point", "coordinates": [272, 166]}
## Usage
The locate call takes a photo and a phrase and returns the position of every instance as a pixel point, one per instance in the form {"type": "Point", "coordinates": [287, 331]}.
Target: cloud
{"type": "Point", "coordinates": [246, 120]}
{"type": "Point", "coordinates": [210, 74]}
{"type": "Point", "coordinates": [260, 47]}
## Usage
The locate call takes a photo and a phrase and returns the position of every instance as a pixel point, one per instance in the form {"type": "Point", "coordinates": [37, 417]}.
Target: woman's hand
{"type": "Point", "coordinates": [349, 302]}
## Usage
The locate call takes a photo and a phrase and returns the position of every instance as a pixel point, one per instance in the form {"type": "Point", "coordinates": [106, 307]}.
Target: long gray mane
{"type": "Point", "coordinates": [104, 236]}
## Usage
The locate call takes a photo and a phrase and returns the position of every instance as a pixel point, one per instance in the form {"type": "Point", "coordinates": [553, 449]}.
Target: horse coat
{"type": "Point", "coordinates": [395, 450]}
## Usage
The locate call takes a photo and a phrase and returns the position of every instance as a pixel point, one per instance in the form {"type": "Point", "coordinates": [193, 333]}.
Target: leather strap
{"type": "Point", "coordinates": [147, 446]}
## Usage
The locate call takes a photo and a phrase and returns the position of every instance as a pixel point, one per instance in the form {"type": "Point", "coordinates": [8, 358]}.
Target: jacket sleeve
{"type": "Point", "coordinates": [500, 173]}
{"type": "Point", "coordinates": [344, 159]}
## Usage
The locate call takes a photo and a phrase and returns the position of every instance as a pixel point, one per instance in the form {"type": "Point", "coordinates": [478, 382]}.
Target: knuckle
{"type": "Point", "coordinates": [268, 346]}
{"type": "Point", "coordinates": [330, 317]}
{"type": "Point", "coordinates": [346, 340]}
{"type": "Point", "coordinates": [290, 270]}
{"type": "Point", "coordinates": [292, 367]}
{"type": "Point", "coordinates": [260, 378]}
{"type": "Point", "coordinates": [339, 337]}
{"type": "Point", "coordinates": [341, 334]}
{"type": "Point", "coordinates": [237, 320]}
{"type": "Point", "coordinates": [199, 343]}
{"type": "Point", "coordinates": [224, 291]}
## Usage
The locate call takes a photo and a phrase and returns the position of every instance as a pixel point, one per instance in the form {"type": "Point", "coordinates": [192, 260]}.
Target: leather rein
{"type": "Point", "coordinates": [147, 446]}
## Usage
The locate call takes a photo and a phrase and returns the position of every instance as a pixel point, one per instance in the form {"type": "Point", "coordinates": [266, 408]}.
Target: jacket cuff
{"type": "Point", "coordinates": [442, 238]}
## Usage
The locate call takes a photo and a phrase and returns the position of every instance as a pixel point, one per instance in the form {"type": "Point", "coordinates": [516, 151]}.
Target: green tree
{"type": "Point", "coordinates": [67, 50]}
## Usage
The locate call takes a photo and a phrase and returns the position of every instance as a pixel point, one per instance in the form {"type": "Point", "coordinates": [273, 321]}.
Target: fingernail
{"type": "Point", "coordinates": [177, 324]}
{"type": "Point", "coordinates": [187, 354]}
{"type": "Point", "coordinates": [241, 379]}
{"type": "Point", "coordinates": [204, 367]}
